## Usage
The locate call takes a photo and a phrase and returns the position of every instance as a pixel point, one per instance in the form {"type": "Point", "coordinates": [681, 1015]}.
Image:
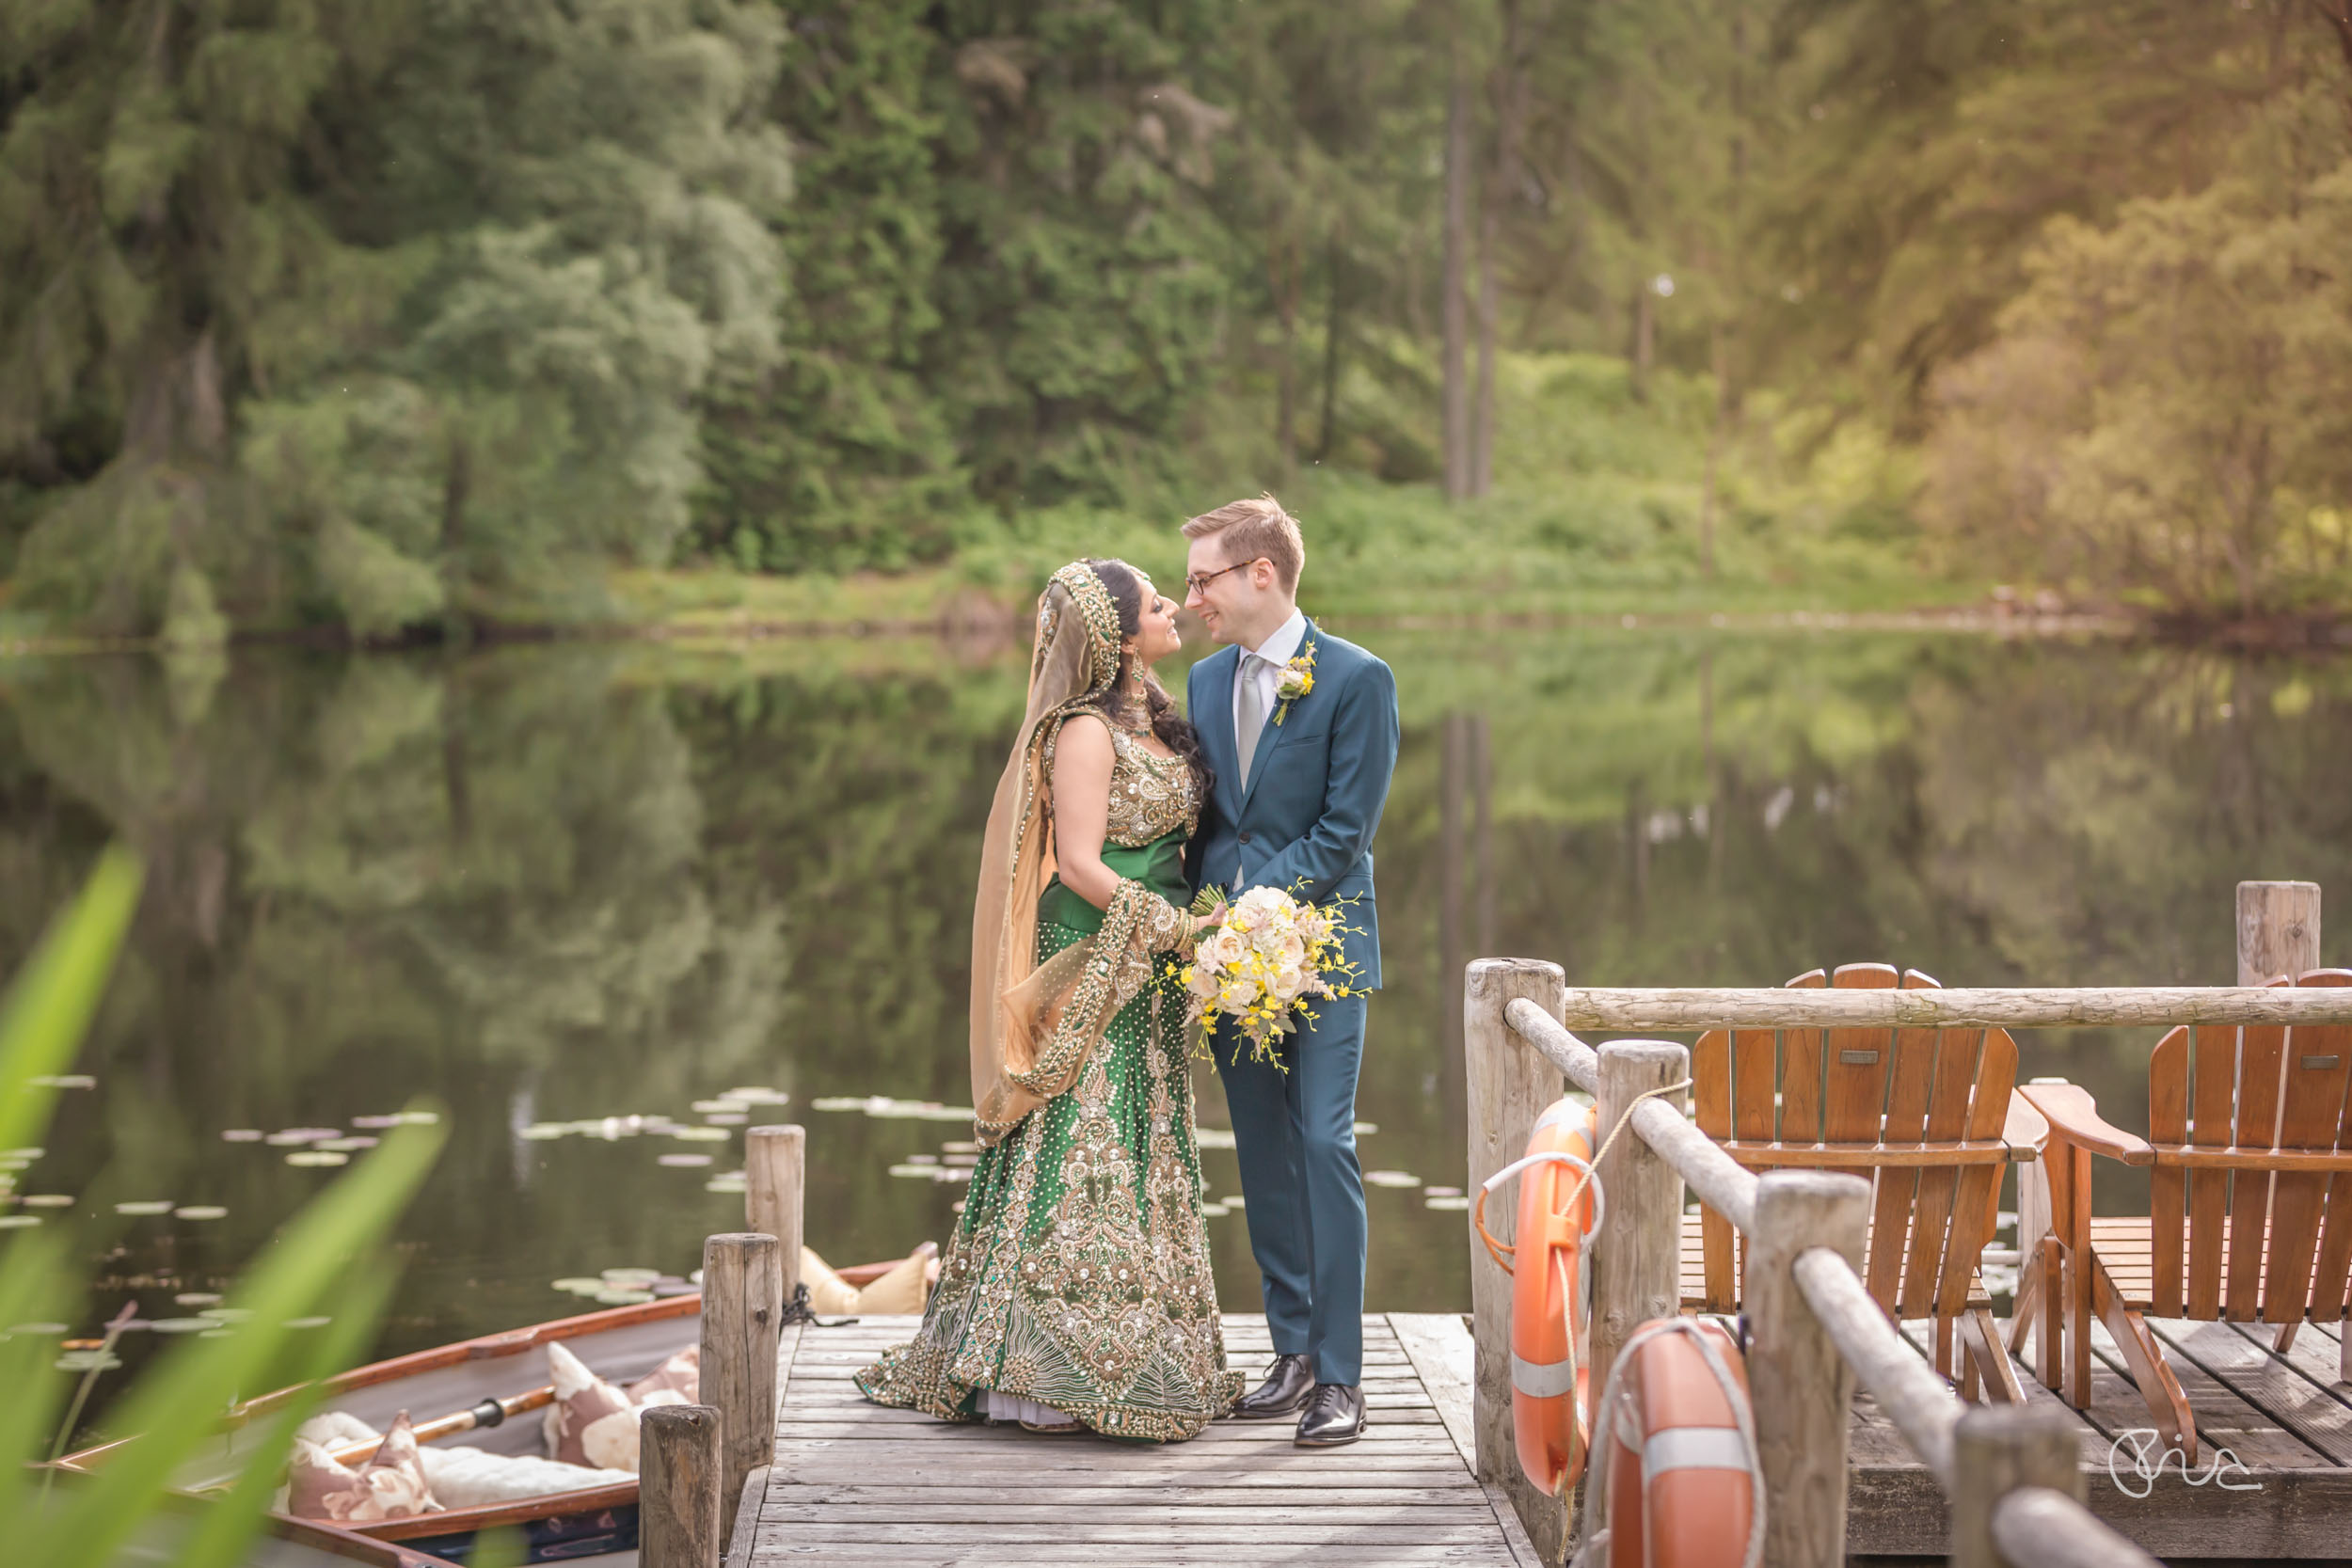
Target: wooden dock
{"type": "Point", "coordinates": [2287, 1420]}
{"type": "Point", "coordinates": [856, 1483]}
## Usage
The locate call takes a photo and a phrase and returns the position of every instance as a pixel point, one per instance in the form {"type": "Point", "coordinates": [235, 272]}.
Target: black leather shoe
{"type": "Point", "coordinates": [1335, 1415]}
{"type": "Point", "coordinates": [1287, 1383]}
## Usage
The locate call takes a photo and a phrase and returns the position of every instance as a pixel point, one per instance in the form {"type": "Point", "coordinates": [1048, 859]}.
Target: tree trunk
{"type": "Point", "coordinates": [1456, 328]}
{"type": "Point", "coordinates": [456, 628]}
{"type": "Point", "coordinates": [1282, 269]}
{"type": "Point", "coordinates": [1333, 319]}
{"type": "Point", "coordinates": [1500, 182]}
{"type": "Point", "coordinates": [1644, 339]}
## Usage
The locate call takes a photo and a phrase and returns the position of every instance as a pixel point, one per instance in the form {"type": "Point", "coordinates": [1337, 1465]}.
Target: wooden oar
{"type": "Point", "coordinates": [489, 1412]}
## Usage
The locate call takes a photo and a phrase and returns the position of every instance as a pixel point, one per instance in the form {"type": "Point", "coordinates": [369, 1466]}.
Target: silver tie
{"type": "Point", "coordinates": [1251, 711]}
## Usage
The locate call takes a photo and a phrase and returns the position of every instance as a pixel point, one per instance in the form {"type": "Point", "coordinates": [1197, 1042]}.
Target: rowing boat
{"type": "Point", "coordinates": [596, 1524]}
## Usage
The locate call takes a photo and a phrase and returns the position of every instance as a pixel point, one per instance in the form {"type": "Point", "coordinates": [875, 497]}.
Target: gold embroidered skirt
{"type": "Point", "coordinates": [1079, 1276]}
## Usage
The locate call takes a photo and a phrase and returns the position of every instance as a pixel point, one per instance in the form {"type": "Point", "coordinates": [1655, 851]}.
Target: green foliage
{"type": "Point", "coordinates": [323, 1261]}
{"type": "Point", "coordinates": [2165, 407]}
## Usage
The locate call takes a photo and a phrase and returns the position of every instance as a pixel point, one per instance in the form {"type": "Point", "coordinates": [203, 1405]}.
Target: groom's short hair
{"type": "Point", "coordinates": [1255, 528]}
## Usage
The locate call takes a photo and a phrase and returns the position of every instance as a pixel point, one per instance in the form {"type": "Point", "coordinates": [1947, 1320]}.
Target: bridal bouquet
{"type": "Point", "coordinates": [1260, 960]}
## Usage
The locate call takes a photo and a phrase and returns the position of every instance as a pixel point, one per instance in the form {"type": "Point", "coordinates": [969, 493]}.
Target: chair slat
{"type": "Point", "coordinates": [1911, 1083]}
{"type": "Point", "coordinates": [1710, 1093]}
{"type": "Point", "coordinates": [1755, 1113]}
{"type": "Point", "coordinates": [2316, 1057]}
{"type": "Point", "coordinates": [2262, 1049]}
{"type": "Point", "coordinates": [1978, 1194]}
{"type": "Point", "coordinates": [2167, 1122]}
{"type": "Point", "coordinates": [1956, 1054]}
{"type": "Point", "coordinates": [1801, 1075]}
{"type": "Point", "coordinates": [1855, 1064]}
{"type": "Point", "coordinates": [2213, 1090]}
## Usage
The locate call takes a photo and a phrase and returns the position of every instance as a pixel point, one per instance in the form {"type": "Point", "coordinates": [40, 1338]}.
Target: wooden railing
{"type": "Point", "coordinates": [2012, 1474]}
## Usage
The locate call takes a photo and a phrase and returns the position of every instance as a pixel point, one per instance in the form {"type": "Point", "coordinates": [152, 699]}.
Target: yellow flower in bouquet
{"type": "Point", "coordinates": [1263, 958]}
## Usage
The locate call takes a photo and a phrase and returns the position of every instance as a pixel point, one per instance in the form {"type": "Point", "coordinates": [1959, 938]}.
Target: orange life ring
{"type": "Point", "coordinates": [1685, 1486]}
{"type": "Point", "coordinates": [1560, 1204]}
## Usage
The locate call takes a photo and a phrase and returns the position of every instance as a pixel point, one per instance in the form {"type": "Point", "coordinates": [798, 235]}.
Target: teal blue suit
{"type": "Point", "coordinates": [1303, 821]}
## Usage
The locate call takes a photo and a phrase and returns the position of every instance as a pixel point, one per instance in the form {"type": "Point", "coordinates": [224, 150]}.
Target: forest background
{"type": "Point", "coordinates": [397, 318]}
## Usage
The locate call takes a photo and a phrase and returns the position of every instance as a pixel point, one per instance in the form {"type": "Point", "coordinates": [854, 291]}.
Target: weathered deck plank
{"type": "Point", "coordinates": [859, 1486]}
{"type": "Point", "coordinates": [856, 1484]}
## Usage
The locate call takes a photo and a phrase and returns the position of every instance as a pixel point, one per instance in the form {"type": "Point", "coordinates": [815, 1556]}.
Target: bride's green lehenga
{"type": "Point", "coordinates": [1080, 1274]}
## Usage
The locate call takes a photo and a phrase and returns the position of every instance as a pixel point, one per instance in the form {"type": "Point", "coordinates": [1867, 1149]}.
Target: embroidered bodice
{"type": "Point", "coordinates": [1151, 795]}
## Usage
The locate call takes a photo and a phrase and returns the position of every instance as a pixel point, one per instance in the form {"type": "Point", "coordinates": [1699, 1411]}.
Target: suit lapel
{"type": "Point", "coordinates": [1269, 737]}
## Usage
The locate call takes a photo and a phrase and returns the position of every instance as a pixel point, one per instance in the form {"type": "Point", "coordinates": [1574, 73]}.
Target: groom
{"type": "Point", "coordinates": [1301, 776]}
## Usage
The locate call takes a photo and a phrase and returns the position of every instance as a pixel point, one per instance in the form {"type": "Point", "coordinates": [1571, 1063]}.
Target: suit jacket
{"type": "Point", "coordinates": [1305, 821]}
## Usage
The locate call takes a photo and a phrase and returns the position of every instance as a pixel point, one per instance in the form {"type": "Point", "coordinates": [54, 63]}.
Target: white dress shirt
{"type": "Point", "coordinates": [1279, 648]}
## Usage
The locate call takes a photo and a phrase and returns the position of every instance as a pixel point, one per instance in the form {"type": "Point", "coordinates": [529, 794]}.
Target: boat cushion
{"type": "Point", "coordinates": [390, 1485]}
{"type": "Point", "coordinates": [681, 1374]}
{"type": "Point", "coordinates": [590, 1422]}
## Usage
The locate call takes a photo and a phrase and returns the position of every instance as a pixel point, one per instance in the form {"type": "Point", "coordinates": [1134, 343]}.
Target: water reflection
{"type": "Point", "coordinates": [562, 883]}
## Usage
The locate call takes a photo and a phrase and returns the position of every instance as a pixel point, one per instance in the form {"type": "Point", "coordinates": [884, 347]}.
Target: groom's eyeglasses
{"type": "Point", "coordinates": [1199, 584]}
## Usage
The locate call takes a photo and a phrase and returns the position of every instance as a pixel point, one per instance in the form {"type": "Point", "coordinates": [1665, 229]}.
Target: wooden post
{"type": "Point", "coordinates": [1802, 1389]}
{"type": "Point", "coordinates": [773, 1171]}
{"type": "Point", "coordinates": [739, 1357]}
{"type": "Point", "coordinates": [1995, 1449]}
{"type": "Point", "coordinates": [1509, 1085]}
{"type": "Point", "coordinates": [2277, 931]}
{"type": "Point", "coordinates": [678, 1515]}
{"type": "Point", "coordinates": [1636, 1258]}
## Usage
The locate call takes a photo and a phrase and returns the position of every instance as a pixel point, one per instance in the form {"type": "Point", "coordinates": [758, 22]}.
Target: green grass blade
{"type": "Point", "coordinates": [233, 1521]}
{"type": "Point", "coordinates": [49, 1006]}
{"type": "Point", "coordinates": [175, 1407]}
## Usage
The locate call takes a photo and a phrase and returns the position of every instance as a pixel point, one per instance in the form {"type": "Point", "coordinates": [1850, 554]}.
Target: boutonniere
{"type": "Point", "coordinates": [1298, 678]}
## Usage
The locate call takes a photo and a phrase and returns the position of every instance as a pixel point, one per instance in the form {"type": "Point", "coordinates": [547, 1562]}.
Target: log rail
{"type": "Point", "coordinates": [2010, 1473]}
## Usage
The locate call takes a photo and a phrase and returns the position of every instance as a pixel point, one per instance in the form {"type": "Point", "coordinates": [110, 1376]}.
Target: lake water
{"type": "Point", "coordinates": [546, 884]}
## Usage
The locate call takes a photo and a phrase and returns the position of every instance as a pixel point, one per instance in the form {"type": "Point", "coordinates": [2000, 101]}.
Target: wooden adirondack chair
{"type": "Point", "coordinates": [2249, 1205]}
{"type": "Point", "coordinates": [1923, 1114]}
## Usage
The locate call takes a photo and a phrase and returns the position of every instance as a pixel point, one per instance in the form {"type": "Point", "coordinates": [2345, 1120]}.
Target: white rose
{"type": "Point", "coordinates": [1203, 984]}
{"type": "Point", "coordinates": [1236, 994]}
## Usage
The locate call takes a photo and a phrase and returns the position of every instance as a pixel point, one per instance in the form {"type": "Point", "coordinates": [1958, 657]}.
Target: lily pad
{"type": "Point", "coordinates": [1214, 1137]}
{"type": "Point", "coordinates": [1443, 1192]}
{"type": "Point", "coordinates": [196, 1298]}
{"type": "Point", "coordinates": [630, 1278]}
{"type": "Point", "coordinates": [47, 1200]}
{"type": "Point", "coordinates": [700, 1134]}
{"type": "Point", "coordinates": [1214, 1211]}
{"type": "Point", "coordinates": [922, 1159]}
{"type": "Point", "coordinates": [960, 1148]}
{"type": "Point", "coordinates": [87, 1361]}
{"type": "Point", "coordinates": [375, 1121]}
{"type": "Point", "coordinates": [581, 1285]}
{"type": "Point", "coordinates": [728, 1119]}
{"type": "Point", "coordinates": [684, 1160]}
{"type": "Point", "coordinates": [294, 1136]}
{"type": "Point", "coordinates": [145, 1206]}
{"type": "Point", "coordinates": [623, 1298]}
{"type": "Point", "coordinates": [64, 1081]}
{"type": "Point", "coordinates": [228, 1314]}
{"type": "Point", "coordinates": [1391, 1179]}
{"type": "Point", "coordinates": [318, 1157]}
{"type": "Point", "coordinates": [308, 1323]}
{"type": "Point", "coordinates": [726, 1184]}
{"type": "Point", "coordinates": [837, 1102]}
{"type": "Point", "coordinates": [200, 1211]}
{"type": "Point", "coordinates": [182, 1326]}
{"type": "Point", "coordinates": [344, 1146]}
{"type": "Point", "coordinates": [417, 1118]}
{"type": "Point", "coordinates": [758, 1094]}
{"type": "Point", "coordinates": [42, 1330]}
{"type": "Point", "coordinates": [723, 1106]}
{"type": "Point", "coordinates": [19, 1222]}
{"type": "Point", "coordinates": [1366, 1129]}
{"type": "Point", "coordinates": [24, 1154]}
{"type": "Point", "coordinates": [242, 1136]}
{"type": "Point", "coordinates": [1457, 1205]}
{"type": "Point", "coordinates": [540, 1131]}
{"type": "Point", "coordinates": [928, 1173]}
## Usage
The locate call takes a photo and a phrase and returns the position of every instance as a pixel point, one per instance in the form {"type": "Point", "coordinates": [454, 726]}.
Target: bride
{"type": "Point", "coordinates": [1075, 1292]}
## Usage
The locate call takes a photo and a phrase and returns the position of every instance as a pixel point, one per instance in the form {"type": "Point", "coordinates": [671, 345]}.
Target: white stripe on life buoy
{"type": "Point", "coordinates": [1693, 1448]}
{"type": "Point", "coordinates": [1543, 1380]}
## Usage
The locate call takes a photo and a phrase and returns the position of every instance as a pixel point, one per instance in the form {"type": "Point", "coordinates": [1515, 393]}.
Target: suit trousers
{"type": "Point", "coordinates": [1301, 1186]}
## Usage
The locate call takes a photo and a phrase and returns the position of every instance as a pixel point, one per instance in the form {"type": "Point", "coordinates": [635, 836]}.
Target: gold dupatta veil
{"type": "Point", "coordinates": [1033, 1026]}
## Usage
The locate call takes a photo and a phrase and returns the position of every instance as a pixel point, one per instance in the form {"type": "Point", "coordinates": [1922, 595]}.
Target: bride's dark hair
{"type": "Point", "coordinates": [1127, 591]}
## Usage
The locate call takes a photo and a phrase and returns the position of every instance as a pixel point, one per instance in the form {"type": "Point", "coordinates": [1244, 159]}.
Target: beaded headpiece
{"type": "Point", "coordinates": [1101, 616]}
